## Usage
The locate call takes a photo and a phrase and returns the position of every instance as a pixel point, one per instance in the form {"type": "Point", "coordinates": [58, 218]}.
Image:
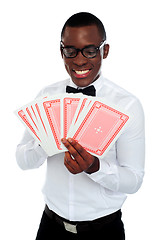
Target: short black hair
{"type": "Point", "coordinates": [82, 19]}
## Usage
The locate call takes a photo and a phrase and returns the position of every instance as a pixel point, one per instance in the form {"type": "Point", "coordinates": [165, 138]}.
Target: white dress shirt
{"type": "Point", "coordinates": [83, 197]}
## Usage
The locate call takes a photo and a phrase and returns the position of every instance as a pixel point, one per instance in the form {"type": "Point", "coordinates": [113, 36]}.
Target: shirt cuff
{"type": "Point", "coordinates": [104, 171]}
{"type": "Point", "coordinates": [40, 154]}
{"type": "Point", "coordinates": [40, 150]}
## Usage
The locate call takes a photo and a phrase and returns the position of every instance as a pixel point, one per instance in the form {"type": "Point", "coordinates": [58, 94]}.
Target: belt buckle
{"type": "Point", "coordinates": [70, 227]}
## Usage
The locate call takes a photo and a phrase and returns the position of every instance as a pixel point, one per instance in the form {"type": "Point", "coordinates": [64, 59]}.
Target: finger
{"type": "Point", "coordinates": [83, 158]}
{"type": "Point", "coordinates": [71, 164]}
{"type": "Point", "coordinates": [76, 155]}
{"type": "Point", "coordinates": [69, 156]}
{"type": "Point", "coordinates": [70, 169]}
{"type": "Point", "coordinates": [86, 158]}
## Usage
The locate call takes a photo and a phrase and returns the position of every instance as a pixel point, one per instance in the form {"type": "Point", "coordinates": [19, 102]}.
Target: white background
{"type": "Point", "coordinates": [137, 32]}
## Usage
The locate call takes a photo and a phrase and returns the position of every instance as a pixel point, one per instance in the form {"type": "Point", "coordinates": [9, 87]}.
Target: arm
{"type": "Point", "coordinates": [29, 154]}
{"type": "Point", "coordinates": [126, 175]}
{"type": "Point", "coordinates": [123, 175]}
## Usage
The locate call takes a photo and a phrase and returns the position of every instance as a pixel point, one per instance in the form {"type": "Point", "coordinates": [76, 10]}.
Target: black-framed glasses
{"type": "Point", "coordinates": [88, 51]}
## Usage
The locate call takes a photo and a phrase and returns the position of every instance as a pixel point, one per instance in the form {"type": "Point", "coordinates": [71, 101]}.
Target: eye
{"type": "Point", "coordinates": [90, 51]}
{"type": "Point", "coordinates": [69, 52]}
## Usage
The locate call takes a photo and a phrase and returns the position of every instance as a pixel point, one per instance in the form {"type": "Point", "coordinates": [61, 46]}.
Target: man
{"type": "Point", "coordinates": [83, 194]}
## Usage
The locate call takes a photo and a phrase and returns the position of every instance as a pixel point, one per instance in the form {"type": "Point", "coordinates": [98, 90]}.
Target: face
{"type": "Point", "coordinates": [83, 71]}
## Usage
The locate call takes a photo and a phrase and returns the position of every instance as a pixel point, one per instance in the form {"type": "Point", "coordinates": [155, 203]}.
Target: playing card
{"type": "Point", "coordinates": [28, 124]}
{"type": "Point", "coordinates": [28, 110]}
{"type": "Point", "coordinates": [69, 106]}
{"type": "Point", "coordinates": [24, 116]}
{"type": "Point", "coordinates": [100, 128]}
{"type": "Point", "coordinates": [81, 112]}
{"type": "Point", "coordinates": [52, 111]}
{"type": "Point", "coordinates": [33, 119]}
{"type": "Point", "coordinates": [88, 120]}
{"type": "Point", "coordinates": [45, 129]}
{"type": "Point", "coordinates": [37, 124]}
{"type": "Point", "coordinates": [80, 108]}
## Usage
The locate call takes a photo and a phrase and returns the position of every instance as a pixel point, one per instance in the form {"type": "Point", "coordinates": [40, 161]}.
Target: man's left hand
{"type": "Point", "coordinates": [77, 159]}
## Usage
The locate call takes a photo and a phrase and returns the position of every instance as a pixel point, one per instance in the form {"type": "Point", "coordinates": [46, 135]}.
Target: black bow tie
{"type": "Point", "coordinates": [90, 91]}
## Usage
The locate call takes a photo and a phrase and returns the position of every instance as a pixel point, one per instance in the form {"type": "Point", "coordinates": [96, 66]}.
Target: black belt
{"type": "Point", "coordinates": [76, 227]}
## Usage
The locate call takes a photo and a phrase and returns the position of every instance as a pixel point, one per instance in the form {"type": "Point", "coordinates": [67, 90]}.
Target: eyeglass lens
{"type": "Point", "coordinates": [89, 52]}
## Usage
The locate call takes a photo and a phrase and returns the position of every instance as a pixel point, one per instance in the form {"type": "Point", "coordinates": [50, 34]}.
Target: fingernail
{"type": "Point", "coordinates": [70, 140]}
{"type": "Point", "coordinates": [63, 140]}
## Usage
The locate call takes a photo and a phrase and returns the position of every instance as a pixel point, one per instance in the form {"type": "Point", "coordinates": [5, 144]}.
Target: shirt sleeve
{"type": "Point", "coordinates": [126, 173]}
{"type": "Point", "coordinates": [29, 153]}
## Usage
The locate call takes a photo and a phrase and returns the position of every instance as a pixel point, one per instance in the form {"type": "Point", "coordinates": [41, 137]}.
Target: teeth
{"type": "Point", "coordinates": [82, 72]}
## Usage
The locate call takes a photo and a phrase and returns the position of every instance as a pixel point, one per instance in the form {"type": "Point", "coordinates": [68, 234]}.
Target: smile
{"type": "Point", "coordinates": [81, 73]}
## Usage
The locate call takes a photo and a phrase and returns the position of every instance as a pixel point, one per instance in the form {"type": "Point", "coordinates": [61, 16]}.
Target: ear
{"type": "Point", "coordinates": [106, 50]}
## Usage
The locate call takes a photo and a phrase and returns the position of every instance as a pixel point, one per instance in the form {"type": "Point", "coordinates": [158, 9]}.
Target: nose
{"type": "Point", "coordinates": [80, 60]}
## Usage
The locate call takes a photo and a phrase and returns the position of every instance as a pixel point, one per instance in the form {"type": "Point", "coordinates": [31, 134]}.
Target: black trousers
{"type": "Point", "coordinates": [49, 229]}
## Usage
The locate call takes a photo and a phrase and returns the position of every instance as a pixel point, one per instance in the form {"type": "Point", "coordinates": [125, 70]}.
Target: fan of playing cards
{"type": "Point", "coordinates": [88, 120]}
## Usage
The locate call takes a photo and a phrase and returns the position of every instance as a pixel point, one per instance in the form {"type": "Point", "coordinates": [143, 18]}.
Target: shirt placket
{"type": "Point", "coordinates": [71, 196]}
